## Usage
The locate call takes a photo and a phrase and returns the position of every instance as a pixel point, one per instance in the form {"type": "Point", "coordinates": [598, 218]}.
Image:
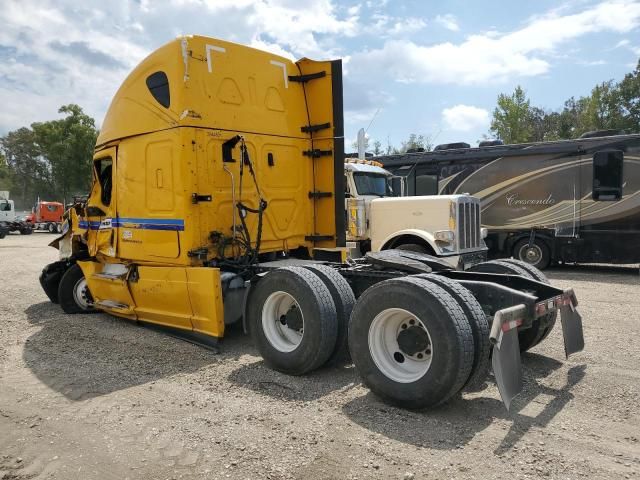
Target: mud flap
{"type": "Point", "coordinates": [571, 329]}
{"type": "Point", "coordinates": [505, 359]}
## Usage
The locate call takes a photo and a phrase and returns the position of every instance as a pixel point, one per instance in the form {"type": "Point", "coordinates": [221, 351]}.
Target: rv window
{"type": "Point", "coordinates": [158, 85]}
{"type": "Point", "coordinates": [104, 168]}
{"type": "Point", "coordinates": [607, 175]}
{"type": "Point", "coordinates": [426, 182]}
{"type": "Point", "coordinates": [6, 207]}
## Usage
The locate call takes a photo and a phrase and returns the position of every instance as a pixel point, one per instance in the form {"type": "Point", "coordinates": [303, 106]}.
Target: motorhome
{"type": "Point", "coordinates": [575, 201]}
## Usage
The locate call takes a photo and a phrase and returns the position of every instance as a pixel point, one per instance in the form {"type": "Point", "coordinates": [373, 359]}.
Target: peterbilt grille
{"type": "Point", "coordinates": [469, 235]}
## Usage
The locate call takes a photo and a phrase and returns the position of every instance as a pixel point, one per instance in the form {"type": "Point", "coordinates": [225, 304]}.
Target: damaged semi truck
{"type": "Point", "coordinates": [218, 197]}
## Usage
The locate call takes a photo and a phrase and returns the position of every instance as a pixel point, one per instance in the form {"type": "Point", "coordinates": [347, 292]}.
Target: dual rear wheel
{"type": "Point", "coordinates": [541, 327]}
{"type": "Point", "coordinates": [416, 341]}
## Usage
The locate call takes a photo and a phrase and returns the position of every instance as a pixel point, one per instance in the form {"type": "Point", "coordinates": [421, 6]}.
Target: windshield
{"type": "Point", "coordinates": [371, 184]}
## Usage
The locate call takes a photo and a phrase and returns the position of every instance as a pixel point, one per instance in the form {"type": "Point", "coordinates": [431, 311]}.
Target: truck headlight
{"type": "Point", "coordinates": [484, 232]}
{"type": "Point", "coordinates": [446, 236]}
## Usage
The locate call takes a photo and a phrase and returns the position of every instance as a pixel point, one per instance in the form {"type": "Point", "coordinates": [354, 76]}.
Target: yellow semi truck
{"type": "Point", "coordinates": [218, 197]}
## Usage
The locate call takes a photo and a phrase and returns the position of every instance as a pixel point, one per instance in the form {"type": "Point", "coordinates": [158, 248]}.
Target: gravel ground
{"type": "Point", "coordinates": [92, 396]}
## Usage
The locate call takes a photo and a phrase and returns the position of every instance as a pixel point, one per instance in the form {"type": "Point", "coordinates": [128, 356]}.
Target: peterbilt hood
{"type": "Point", "coordinates": [421, 216]}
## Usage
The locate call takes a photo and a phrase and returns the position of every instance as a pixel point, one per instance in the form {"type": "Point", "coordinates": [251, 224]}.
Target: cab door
{"type": "Point", "coordinates": [101, 206]}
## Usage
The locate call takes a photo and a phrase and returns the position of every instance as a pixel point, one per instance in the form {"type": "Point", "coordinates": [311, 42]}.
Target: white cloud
{"type": "Point", "coordinates": [448, 21]}
{"type": "Point", "coordinates": [464, 118]}
{"type": "Point", "coordinates": [627, 44]}
{"type": "Point", "coordinates": [54, 52]}
{"type": "Point", "coordinates": [495, 57]}
{"type": "Point", "coordinates": [406, 26]}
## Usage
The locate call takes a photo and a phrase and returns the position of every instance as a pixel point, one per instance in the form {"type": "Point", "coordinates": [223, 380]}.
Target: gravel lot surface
{"type": "Point", "coordinates": [95, 397]}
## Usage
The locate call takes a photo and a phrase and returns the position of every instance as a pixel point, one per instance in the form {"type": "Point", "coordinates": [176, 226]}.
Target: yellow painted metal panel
{"type": "Point", "coordinates": [112, 290]}
{"type": "Point", "coordinates": [144, 208]}
{"type": "Point", "coordinates": [319, 97]}
{"type": "Point", "coordinates": [161, 296]}
{"type": "Point", "coordinates": [205, 294]}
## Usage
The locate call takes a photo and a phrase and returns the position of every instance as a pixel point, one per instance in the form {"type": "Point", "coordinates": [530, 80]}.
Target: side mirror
{"type": "Point", "coordinates": [607, 175]}
{"type": "Point", "coordinates": [398, 186]}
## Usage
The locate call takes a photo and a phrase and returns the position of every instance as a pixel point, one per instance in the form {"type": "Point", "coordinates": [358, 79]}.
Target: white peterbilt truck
{"type": "Point", "coordinates": [445, 226]}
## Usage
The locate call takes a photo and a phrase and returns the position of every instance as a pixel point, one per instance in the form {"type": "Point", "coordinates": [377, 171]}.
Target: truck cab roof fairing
{"type": "Point", "coordinates": [204, 93]}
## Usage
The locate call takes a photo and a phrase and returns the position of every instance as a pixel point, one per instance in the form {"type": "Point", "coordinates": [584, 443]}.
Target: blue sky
{"type": "Point", "coordinates": [426, 67]}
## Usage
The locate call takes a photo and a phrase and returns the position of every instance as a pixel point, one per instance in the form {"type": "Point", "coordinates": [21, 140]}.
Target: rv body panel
{"type": "Point", "coordinates": [545, 187]}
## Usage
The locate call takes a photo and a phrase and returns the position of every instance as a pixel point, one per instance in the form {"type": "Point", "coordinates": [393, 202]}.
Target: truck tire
{"type": "Point", "coordinates": [51, 228]}
{"type": "Point", "coordinates": [26, 230]}
{"type": "Point", "coordinates": [73, 293]}
{"type": "Point", "coordinates": [344, 300]}
{"type": "Point", "coordinates": [526, 337]}
{"type": "Point", "coordinates": [50, 279]}
{"type": "Point", "coordinates": [549, 320]}
{"type": "Point", "coordinates": [479, 328]}
{"type": "Point", "coordinates": [411, 342]}
{"type": "Point", "coordinates": [537, 255]}
{"type": "Point", "coordinates": [293, 321]}
{"type": "Point", "coordinates": [412, 247]}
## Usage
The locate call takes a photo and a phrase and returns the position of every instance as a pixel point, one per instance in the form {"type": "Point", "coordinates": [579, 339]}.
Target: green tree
{"type": "Point", "coordinates": [512, 120]}
{"type": "Point", "coordinates": [415, 141]}
{"type": "Point", "coordinates": [629, 97]}
{"type": "Point", "coordinates": [67, 144]}
{"type": "Point", "coordinates": [29, 171]}
{"type": "Point", "coordinates": [377, 147]}
{"type": "Point", "coordinates": [6, 174]}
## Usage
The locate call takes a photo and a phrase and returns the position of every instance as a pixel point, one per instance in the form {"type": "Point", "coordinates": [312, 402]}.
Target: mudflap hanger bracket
{"type": "Point", "coordinates": [516, 309]}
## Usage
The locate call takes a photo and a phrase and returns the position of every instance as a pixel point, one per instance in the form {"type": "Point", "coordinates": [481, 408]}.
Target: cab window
{"type": "Point", "coordinates": [104, 173]}
{"type": "Point", "coordinates": [158, 85]}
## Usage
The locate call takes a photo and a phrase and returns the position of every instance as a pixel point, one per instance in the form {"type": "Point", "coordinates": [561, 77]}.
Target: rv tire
{"type": "Point", "coordinates": [536, 255]}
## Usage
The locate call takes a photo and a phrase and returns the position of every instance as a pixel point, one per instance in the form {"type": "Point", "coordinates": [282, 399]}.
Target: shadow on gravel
{"type": "Point", "coordinates": [456, 423]}
{"type": "Point", "coordinates": [259, 378]}
{"type": "Point", "coordinates": [84, 356]}
{"type": "Point", "coordinates": [596, 273]}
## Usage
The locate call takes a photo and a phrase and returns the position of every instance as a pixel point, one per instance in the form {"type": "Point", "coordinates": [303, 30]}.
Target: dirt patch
{"type": "Point", "coordinates": [92, 396]}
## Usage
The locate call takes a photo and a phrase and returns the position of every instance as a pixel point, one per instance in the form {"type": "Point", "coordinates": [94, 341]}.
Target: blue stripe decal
{"type": "Point", "coordinates": [153, 221]}
{"type": "Point", "coordinates": [165, 224]}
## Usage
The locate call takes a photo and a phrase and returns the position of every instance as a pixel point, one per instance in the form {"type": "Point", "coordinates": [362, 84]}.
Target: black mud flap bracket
{"type": "Point", "coordinates": [571, 324]}
{"type": "Point", "coordinates": [505, 358]}
{"type": "Point", "coordinates": [506, 361]}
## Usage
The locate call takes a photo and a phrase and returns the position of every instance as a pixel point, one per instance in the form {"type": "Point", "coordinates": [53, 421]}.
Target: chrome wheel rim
{"type": "Point", "coordinates": [82, 295]}
{"type": "Point", "coordinates": [396, 361]}
{"type": "Point", "coordinates": [531, 254]}
{"type": "Point", "coordinates": [282, 321]}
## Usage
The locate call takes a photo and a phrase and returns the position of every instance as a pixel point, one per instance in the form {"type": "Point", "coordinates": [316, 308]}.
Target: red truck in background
{"type": "Point", "coordinates": [47, 216]}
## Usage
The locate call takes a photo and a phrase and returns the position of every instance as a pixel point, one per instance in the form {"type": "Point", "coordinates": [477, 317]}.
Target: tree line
{"type": "Point", "coordinates": [611, 105]}
{"type": "Point", "coordinates": [49, 160]}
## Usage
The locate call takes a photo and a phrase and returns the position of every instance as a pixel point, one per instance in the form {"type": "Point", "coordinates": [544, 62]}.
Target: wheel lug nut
{"type": "Point", "coordinates": [404, 326]}
{"type": "Point", "coordinates": [420, 355]}
{"type": "Point", "coordinates": [412, 322]}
